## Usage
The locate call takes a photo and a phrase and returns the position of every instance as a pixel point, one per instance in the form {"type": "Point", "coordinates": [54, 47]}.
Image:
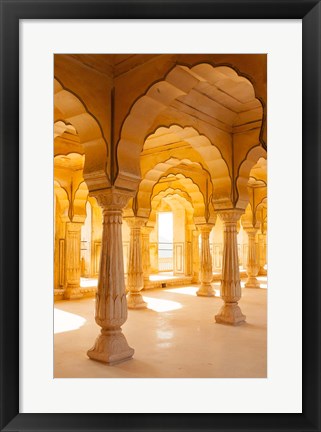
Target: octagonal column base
{"type": "Point", "coordinates": [72, 293]}
{"type": "Point", "coordinates": [252, 282]}
{"type": "Point", "coordinates": [206, 290]}
{"type": "Point", "coordinates": [135, 301]}
{"type": "Point", "coordinates": [111, 347]}
{"type": "Point", "coordinates": [231, 314]}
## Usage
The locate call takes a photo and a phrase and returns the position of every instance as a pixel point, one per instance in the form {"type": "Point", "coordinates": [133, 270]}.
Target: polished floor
{"type": "Point", "coordinates": [176, 337]}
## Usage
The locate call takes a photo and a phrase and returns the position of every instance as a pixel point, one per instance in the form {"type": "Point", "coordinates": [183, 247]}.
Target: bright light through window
{"type": "Point", "coordinates": [165, 227]}
{"type": "Point", "coordinates": [165, 241]}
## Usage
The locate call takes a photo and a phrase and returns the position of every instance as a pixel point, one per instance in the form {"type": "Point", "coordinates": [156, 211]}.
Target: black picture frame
{"type": "Point", "coordinates": [11, 12]}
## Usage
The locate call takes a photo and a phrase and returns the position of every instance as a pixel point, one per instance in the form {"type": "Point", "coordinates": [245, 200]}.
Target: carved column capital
{"type": "Point", "coordinates": [135, 222]}
{"type": "Point", "coordinates": [205, 228]}
{"type": "Point", "coordinates": [112, 199]}
{"type": "Point", "coordinates": [251, 231]}
{"type": "Point", "coordinates": [146, 230]}
{"type": "Point", "coordinates": [231, 216]}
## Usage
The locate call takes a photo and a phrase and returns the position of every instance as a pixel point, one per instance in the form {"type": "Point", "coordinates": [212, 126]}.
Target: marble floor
{"type": "Point", "coordinates": [176, 337]}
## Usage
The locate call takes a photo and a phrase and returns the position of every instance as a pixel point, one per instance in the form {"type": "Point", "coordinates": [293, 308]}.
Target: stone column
{"type": "Point", "coordinates": [196, 256]}
{"type": "Point", "coordinates": [135, 280]}
{"type": "Point", "coordinates": [230, 313]}
{"type": "Point", "coordinates": [262, 254]}
{"type": "Point", "coordinates": [72, 259]}
{"type": "Point", "coordinates": [111, 306]}
{"type": "Point", "coordinates": [252, 266]}
{"type": "Point", "coordinates": [146, 230]}
{"type": "Point", "coordinates": [206, 273]}
{"type": "Point", "coordinates": [188, 249]}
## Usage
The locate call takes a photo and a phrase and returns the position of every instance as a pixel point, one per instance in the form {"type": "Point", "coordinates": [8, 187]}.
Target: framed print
{"type": "Point", "coordinates": [159, 213]}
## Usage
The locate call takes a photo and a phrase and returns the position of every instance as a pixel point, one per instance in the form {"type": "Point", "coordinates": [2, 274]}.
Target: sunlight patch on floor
{"type": "Point", "coordinates": [66, 321]}
{"type": "Point", "coordinates": [185, 290]}
{"type": "Point", "coordinates": [159, 305]}
{"type": "Point", "coordinates": [191, 290]}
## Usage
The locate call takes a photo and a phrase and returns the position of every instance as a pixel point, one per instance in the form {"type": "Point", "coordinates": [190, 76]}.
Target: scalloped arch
{"type": "Point", "coordinates": [211, 158]}
{"type": "Point", "coordinates": [182, 196]}
{"type": "Point", "coordinates": [160, 171]}
{"type": "Point", "coordinates": [178, 82]}
{"type": "Point", "coordinates": [79, 203]}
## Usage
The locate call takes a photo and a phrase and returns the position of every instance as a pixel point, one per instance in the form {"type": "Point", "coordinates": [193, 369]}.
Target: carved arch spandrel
{"type": "Point", "coordinates": [79, 203]}
{"type": "Point", "coordinates": [70, 110]}
{"type": "Point", "coordinates": [63, 200]}
{"type": "Point", "coordinates": [243, 174]}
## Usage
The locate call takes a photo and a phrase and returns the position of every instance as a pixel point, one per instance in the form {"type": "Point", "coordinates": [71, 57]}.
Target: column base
{"type": "Point", "coordinates": [262, 271]}
{"type": "Point", "coordinates": [111, 347]}
{"type": "Point", "coordinates": [231, 314]}
{"type": "Point", "coordinates": [72, 293]}
{"type": "Point", "coordinates": [135, 301]}
{"type": "Point", "coordinates": [206, 290]}
{"type": "Point", "coordinates": [252, 282]}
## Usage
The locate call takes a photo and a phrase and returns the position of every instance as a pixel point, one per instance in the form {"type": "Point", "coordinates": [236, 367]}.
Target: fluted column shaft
{"type": "Point", "coordinates": [262, 254]}
{"type": "Point", "coordinates": [196, 256]}
{"type": "Point", "coordinates": [206, 273]}
{"type": "Point", "coordinates": [135, 281]}
{"type": "Point", "coordinates": [111, 306]}
{"type": "Point", "coordinates": [252, 265]}
{"type": "Point", "coordinates": [230, 312]}
{"type": "Point", "coordinates": [146, 230]}
{"type": "Point", "coordinates": [73, 265]}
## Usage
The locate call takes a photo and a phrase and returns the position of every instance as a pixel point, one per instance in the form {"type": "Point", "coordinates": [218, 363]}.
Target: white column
{"type": "Point", "coordinates": [262, 254]}
{"type": "Point", "coordinates": [196, 256]}
{"type": "Point", "coordinates": [206, 273]}
{"type": "Point", "coordinates": [111, 306]}
{"type": "Point", "coordinates": [72, 257]}
{"type": "Point", "coordinates": [230, 313]}
{"type": "Point", "coordinates": [252, 265]}
{"type": "Point", "coordinates": [135, 280]}
{"type": "Point", "coordinates": [146, 230]}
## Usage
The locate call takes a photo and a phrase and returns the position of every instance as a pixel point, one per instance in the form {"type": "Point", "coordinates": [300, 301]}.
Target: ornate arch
{"type": "Point", "coordinates": [179, 194]}
{"type": "Point", "coordinates": [179, 82]}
